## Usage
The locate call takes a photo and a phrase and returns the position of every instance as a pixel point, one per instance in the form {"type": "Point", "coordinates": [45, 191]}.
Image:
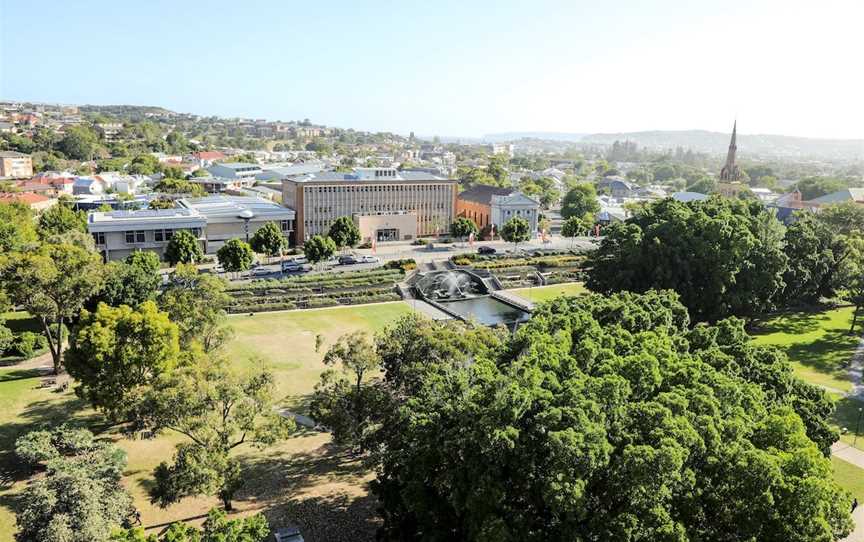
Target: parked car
{"type": "Point", "coordinates": [300, 259]}
{"type": "Point", "coordinates": [370, 259]}
{"type": "Point", "coordinates": [290, 266]}
{"type": "Point", "coordinates": [260, 272]}
{"type": "Point", "coordinates": [486, 250]}
{"type": "Point", "coordinates": [348, 259]}
{"type": "Point", "coordinates": [288, 534]}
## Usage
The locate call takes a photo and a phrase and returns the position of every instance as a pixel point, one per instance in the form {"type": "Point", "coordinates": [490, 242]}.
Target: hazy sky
{"type": "Point", "coordinates": [460, 68]}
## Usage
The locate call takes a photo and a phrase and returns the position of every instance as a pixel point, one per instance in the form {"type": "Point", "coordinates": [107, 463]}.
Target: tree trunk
{"type": "Point", "coordinates": [226, 501]}
{"type": "Point", "coordinates": [55, 342]}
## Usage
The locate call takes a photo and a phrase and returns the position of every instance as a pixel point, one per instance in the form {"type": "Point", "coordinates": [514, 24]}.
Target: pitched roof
{"type": "Point", "coordinates": [847, 194]}
{"type": "Point", "coordinates": [28, 198]}
{"type": "Point", "coordinates": [482, 193]}
{"type": "Point", "coordinates": [208, 155]}
{"type": "Point", "coordinates": [13, 154]}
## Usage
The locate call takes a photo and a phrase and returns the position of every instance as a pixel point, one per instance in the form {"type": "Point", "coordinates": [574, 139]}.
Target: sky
{"type": "Point", "coordinates": [453, 68]}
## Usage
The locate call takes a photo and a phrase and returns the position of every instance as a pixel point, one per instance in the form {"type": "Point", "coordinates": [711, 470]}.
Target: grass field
{"type": "Point", "coordinates": [850, 477]}
{"type": "Point", "coordinates": [818, 344]}
{"type": "Point", "coordinates": [544, 293]}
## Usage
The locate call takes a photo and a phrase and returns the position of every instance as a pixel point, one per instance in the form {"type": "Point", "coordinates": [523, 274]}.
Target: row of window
{"type": "Point", "coordinates": [379, 188]}
{"type": "Point", "coordinates": [137, 237]}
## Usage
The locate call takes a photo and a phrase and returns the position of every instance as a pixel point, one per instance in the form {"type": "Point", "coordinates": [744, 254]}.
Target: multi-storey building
{"type": "Point", "coordinates": [491, 205]}
{"type": "Point", "coordinates": [15, 164]}
{"type": "Point", "coordinates": [385, 203]}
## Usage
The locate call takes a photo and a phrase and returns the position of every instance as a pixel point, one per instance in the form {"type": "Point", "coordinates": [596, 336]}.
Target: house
{"type": "Point", "coordinates": [37, 202]}
{"type": "Point", "coordinates": [485, 205]}
{"type": "Point", "coordinates": [15, 164]}
{"type": "Point", "coordinates": [235, 170]}
{"type": "Point", "coordinates": [687, 197]}
{"type": "Point", "coordinates": [207, 158]}
{"type": "Point", "coordinates": [618, 187]}
{"type": "Point", "coordinates": [89, 185]}
{"type": "Point", "coordinates": [217, 185]}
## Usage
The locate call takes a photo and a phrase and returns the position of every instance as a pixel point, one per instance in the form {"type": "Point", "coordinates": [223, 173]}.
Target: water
{"type": "Point", "coordinates": [487, 310]}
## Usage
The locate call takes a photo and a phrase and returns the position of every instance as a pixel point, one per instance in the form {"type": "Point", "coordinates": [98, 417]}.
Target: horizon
{"type": "Point", "coordinates": [461, 72]}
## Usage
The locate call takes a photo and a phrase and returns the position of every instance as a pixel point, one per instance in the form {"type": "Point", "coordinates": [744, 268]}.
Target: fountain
{"type": "Point", "coordinates": [466, 296]}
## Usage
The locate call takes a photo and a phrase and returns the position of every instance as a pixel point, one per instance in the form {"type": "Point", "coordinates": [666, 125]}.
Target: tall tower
{"type": "Point", "coordinates": [730, 171]}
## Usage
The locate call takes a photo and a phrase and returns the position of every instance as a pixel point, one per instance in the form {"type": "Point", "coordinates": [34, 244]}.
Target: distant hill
{"type": "Point", "coordinates": [756, 144]}
{"type": "Point", "coordinates": [548, 136]}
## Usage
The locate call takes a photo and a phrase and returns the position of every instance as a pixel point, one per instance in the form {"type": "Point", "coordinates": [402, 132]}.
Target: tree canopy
{"type": "Point", "coordinates": [269, 240]}
{"type": "Point", "coordinates": [463, 227]}
{"type": "Point", "coordinates": [724, 257]}
{"type": "Point", "coordinates": [319, 248]}
{"type": "Point", "coordinates": [581, 200]}
{"type": "Point", "coordinates": [196, 302]}
{"type": "Point", "coordinates": [183, 248]}
{"type": "Point", "coordinates": [344, 232]}
{"type": "Point", "coordinates": [235, 256]}
{"type": "Point", "coordinates": [611, 419]}
{"type": "Point", "coordinates": [516, 230]}
{"type": "Point", "coordinates": [60, 219]}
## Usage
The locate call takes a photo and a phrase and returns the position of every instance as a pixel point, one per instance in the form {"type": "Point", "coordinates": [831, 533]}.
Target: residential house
{"type": "Point", "coordinates": [37, 202]}
{"type": "Point", "coordinates": [618, 187]}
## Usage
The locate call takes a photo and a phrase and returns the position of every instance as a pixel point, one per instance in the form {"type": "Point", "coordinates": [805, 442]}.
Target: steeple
{"type": "Point", "coordinates": [730, 171]}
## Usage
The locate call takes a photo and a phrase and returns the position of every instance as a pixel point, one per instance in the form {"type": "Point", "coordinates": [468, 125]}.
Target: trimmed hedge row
{"type": "Point", "coordinates": [330, 280]}
{"type": "Point", "coordinates": [313, 303]}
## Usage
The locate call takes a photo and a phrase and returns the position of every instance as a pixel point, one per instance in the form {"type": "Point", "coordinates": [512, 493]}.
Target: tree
{"type": "Point", "coordinates": [516, 230]}
{"type": "Point", "coordinates": [217, 528]}
{"type": "Point", "coordinates": [80, 498]}
{"type": "Point", "coordinates": [183, 248]}
{"type": "Point", "coordinates": [17, 230]}
{"type": "Point", "coordinates": [851, 276]}
{"type": "Point", "coordinates": [814, 187]}
{"type": "Point", "coordinates": [53, 284]}
{"type": "Point", "coordinates": [144, 164]}
{"type": "Point", "coordinates": [664, 433]}
{"type": "Point", "coordinates": [196, 302]}
{"type": "Point", "coordinates": [463, 228]}
{"type": "Point", "coordinates": [116, 352]}
{"type": "Point", "coordinates": [269, 240]}
{"type": "Point", "coordinates": [580, 201]}
{"type": "Point", "coordinates": [218, 410]}
{"type": "Point", "coordinates": [177, 142]}
{"type": "Point", "coordinates": [235, 256]}
{"type": "Point", "coordinates": [319, 248]}
{"type": "Point", "coordinates": [60, 219]}
{"type": "Point", "coordinates": [79, 142]}
{"type": "Point", "coordinates": [843, 218]}
{"type": "Point", "coordinates": [724, 257]}
{"type": "Point", "coordinates": [815, 253]}
{"type": "Point", "coordinates": [131, 282]}
{"type": "Point", "coordinates": [575, 226]}
{"type": "Point", "coordinates": [344, 232]}
{"type": "Point", "coordinates": [703, 185]}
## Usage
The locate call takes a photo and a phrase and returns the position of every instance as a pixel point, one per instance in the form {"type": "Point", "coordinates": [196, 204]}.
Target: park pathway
{"type": "Point", "coordinates": [846, 452]}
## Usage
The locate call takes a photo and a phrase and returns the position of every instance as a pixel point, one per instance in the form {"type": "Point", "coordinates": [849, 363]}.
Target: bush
{"type": "Point", "coordinates": [28, 343]}
{"type": "Point", "coordinates": [6, 338]}
{"type": "Point", "coordinates": [405, 265]}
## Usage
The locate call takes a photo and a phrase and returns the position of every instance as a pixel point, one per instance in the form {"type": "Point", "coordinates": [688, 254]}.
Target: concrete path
{"type": "Point", "coordinates": [846, 452]}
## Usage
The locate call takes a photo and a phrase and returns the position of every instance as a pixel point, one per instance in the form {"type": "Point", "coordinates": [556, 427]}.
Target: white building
{"type": "Point", "coordinates": [235, 170]}
{"type": "Point", "coordinates": [120, 233]}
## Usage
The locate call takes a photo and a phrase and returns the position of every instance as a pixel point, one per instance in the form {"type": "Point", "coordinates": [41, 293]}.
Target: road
{"type": "Point", "coordinates": [420, 253]}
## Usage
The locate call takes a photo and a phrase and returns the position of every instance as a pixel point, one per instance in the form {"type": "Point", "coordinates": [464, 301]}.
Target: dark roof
{"type": "Point", "coordinates": [481, 193]}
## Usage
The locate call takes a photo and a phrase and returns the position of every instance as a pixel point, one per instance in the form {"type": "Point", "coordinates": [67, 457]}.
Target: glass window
{"type": "Point", "coordinates": [158, 236]}
{"type": "Point", "coordinates": [130, 237]}
{"type": "Point", "coordinates": [99, 238]}
{"type": "Point", "coordinates": [140, 236]}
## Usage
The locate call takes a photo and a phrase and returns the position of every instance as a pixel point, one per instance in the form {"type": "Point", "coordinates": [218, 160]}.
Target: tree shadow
{"type": "Point", "coordinates": [21, 374]}
{"type": "Point", "coordinates": [831, 353]}
{"type": "Point", "coordinates": [327, 518]}
{"type": "Point", "coordinates": [794, 323]}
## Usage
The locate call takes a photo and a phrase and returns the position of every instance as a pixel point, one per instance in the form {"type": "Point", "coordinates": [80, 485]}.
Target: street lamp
{"type": "Point", "coordinates": [246, 215]}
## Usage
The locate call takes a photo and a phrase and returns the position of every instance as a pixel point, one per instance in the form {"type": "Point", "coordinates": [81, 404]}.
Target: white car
{"type": "Point", "coordinates": [300, 260]}
{"type": "Point", "coordinates": [370, 259]}
{"type": "Point", "coordinates": [261, 271]}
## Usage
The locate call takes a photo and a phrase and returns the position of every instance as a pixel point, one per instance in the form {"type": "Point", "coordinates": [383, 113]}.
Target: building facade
{"type": "Point", "coordinates": [213, 220]}
{"type": "Point", "coordinates": [385, 203]}
{"type": "Point", "coordinates": [15, 164]}
{"type": "Point", "coordinates": [235, 170]}
{"type": "Point", "coordinates": [485, 205]}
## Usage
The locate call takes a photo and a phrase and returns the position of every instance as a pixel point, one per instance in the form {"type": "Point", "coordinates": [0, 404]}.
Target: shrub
{"type": "Point", "coordinates": [28, 343]}
{"type": "Point", "coordinates": [405, 265]}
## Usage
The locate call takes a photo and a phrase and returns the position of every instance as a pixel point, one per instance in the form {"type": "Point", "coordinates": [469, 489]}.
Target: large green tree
{"type": "Point", "coordinates": [53, 284]}
{"type": "Point", "coordinates": [575, 226]}
{"type": "Point", "coordinates": [815, 253]}
{"type": "Point", "coordinates": [319, 248]}
{"type": "Point", "coordinates": [344, 232]}
{"type": "Point", "coordinates": [269, 240]}
{"type": "Point", "coordinates": [196, 302]}
{"type": "Point", "coordinates": [17, 228]}
{"type": "Point", "coordinates": [116, 352]}
{"type": "Point", "coordinates": [79, 498]}
{"type": "Point", "coordinates": [724, 257]}
{"type": "Point", "coordinates": [60, 219]}
{"type": "Point", "coordinates": [581, 200]}
{"type": "Point", "coordinates": [132, 281]}
{"type": "Point", "coordinates": [79, 142]}
{"type": "Point", "coordinates": [216, 528]}
{"type": "Point", "coordinates": [610, 419]}
{"type": "Point", "coordinates": [235, 256]}
{"type": "Point", "coordinates": [463, 227]}
{"type": "Point", "coordinates": [516, 230]}
{"type": "Point", "coordinates": [183, 248]}
{"type": "Point", "coordinates": [218, 410]}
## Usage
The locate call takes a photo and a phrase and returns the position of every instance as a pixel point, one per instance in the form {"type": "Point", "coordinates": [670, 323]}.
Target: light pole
{"type": "Point", "coordinates": [857, 423]}
{"type": "Point", "coordinates": [246, 215]}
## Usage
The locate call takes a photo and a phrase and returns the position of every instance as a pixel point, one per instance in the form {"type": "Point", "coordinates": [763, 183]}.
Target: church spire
{"type": "Point", "coordinates": [730, 170]}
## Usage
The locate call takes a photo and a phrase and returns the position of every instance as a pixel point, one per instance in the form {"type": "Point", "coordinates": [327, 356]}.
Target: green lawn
{"type": "Point", "coordinates": [818, 344]}
{"type": "Point", "coordinates": [544, 293]}
{"type": "Point", "coordinates": [850, 477]}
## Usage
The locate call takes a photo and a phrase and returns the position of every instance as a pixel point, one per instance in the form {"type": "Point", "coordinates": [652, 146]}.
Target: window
{"type": "Point", "coordinates": [140, 236]}
{"type": "Point", "coordinates": [130, 237]}
{"type": "Point", "coordinates": [286, 225]}
{"type": "Point", "coordinates": [99, 238]}
{"type": "Point", "coordinates": [158, 236]}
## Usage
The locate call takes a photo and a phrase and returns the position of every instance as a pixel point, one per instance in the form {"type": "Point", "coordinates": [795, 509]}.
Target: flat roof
{"type": "Point", "coordinates": [144, 218]}
{"type": "Point", "coordinates": [336, 176]}
{"type": "Point", "coordinates": [229, 208]}
{"type": "Point", "coordinates": [237, 165]}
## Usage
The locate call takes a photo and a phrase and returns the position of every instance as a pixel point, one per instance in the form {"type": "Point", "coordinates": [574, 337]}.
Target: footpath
{"type": "Point", "coordinates": [846, 452]}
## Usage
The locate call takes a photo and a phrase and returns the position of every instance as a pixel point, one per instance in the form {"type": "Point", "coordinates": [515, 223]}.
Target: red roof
{"type": "Point", "coordinates": [209, 155]}
{"type": "Point", "coordinates": [28, 198]}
